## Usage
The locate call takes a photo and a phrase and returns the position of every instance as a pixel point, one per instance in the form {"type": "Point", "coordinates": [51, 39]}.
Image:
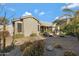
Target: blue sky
{"type": "Point", "coordinates": [43, 11]}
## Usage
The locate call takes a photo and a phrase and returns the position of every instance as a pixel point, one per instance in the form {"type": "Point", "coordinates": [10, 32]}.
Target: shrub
{"type": "Point", "coordinates": [70, 33]}
{"type": "Point", "coordinates": [23, 46]}
{"type": "Point", "coordinates": [8, 49]}
{"type": "Point", "coordinates": [33, 34]}
{"type": "Point", "coordinates": [69, 53]}
{"type": "Point", "coordinates": [19, 36]}
{"type": "Point", "coordinates": [57, 46]}
{"type": "Point", "coordinates": [41, 34]}
{"type": "Point", "coordinates": [77, 35]}
{"type": "Point", "coordinates": [62, 35]}
{"type": "Point", "coordinates": [6, 33]}
{"type": "Point", "coordinates": [45, 34]}
{"type": "Point", "coordinates": [35, 48]}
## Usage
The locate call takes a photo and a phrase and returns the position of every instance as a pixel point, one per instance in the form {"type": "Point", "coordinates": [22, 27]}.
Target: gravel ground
{"type": "Point", "coordinates": [68, 43]}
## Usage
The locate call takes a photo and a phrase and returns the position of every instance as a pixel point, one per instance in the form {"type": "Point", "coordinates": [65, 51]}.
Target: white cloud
{"type": "Point", "coordinates": [27, 13]}
{"type": "Point", "coordinates": [41, 13]}
{"type": "Point", "coordinates": [57, 18]}
{"type": "Point", "coordinates": [71, 5]}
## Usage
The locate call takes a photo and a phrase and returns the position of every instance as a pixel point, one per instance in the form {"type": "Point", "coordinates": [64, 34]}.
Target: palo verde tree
{"type": "Point", "coordinates": [5, 21]}
{"type": "Point", "coordinates": [73, 26]}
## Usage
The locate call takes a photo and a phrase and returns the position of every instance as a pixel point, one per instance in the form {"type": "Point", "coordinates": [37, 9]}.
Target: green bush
{"type": "Point", "coordinates": [77, 35]}
{"type": "Point", "coordinates": [70, 33]}
{"type": "Point", "coordinates": [19, 36]}
{"type": "Point", "coordinates": [33, 34]}
{"type": "Point", "coordinates": [69, 53]}
{"type": "Point", "coordinates": [41, 34]}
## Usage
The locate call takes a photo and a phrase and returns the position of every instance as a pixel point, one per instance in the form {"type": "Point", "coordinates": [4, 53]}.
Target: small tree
{"type": "Point", "coordinates": [5, 21]}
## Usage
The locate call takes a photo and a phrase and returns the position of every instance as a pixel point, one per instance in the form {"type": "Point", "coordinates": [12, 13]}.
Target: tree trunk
{"type": "Point", "coordinates": [4, 37]}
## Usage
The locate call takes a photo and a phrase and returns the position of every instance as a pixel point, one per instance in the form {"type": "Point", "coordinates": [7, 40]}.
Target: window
{"type": "Point", "coordinates": [19, 27]}
{"type": "Point", "coordinates": [38, 28]}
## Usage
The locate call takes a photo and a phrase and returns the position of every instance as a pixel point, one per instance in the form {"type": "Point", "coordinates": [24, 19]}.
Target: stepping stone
{"type": "Point", "coordinates": [49, 48]}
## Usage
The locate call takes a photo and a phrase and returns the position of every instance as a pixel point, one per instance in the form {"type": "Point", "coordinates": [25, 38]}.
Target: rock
{"type": "Point", "coordinates": [49, 48]}
{"type": "Point", "coordinates": [15, 52]}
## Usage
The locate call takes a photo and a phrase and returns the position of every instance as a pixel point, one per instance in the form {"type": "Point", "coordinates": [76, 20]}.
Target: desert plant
{"type": "Point", "coordinates": [38, 48]}
{"type": "Point", "coordinates": [7, 49]}
{"type": "Point", "coordinates": [69, 53]}
{"type": "Point", "coordinates": [19, 35]}
{"type": "Point", "coordinates": [33, 34]}
{"type": "Point", "coordinates": [35, 48]}
{"type": "Point", "coordinates": [57, 46]}
{"type": "Point", "coordinates": [6, 33]}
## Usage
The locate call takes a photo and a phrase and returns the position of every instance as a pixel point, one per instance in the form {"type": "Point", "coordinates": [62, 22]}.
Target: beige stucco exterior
{"type": "Point", "coordinates": [29, 25]}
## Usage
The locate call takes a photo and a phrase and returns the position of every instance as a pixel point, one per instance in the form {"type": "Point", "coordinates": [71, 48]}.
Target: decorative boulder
{"type": "Point", "coordinates": [49, 48]}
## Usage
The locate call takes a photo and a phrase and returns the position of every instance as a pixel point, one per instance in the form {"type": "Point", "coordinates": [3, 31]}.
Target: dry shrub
{"type": "Point", "coordinates": [6, 33]}
{"type": "Point", "coordinates": [57, 46]}
{"type": "Point", "coordinates": [33, 34]}
{"type": "Point", "coordinates": [38, 48]}
{"type": "Point", "coordinates": [23, 46]}
{"type": "Point", "coordinates": [27, 51]}
{"type": "Point", "coordinates": [7, 49]}
{"type": "Point", "coordinates": [35, 48]}
{"type": "Point", "coordinates": [69, 53]}
{"type": "Point", "coordinates": [19, 36]}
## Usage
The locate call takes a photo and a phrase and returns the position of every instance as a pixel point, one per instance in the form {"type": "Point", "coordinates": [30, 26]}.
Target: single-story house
{"type": "Point", "coordinates": [27, 25]}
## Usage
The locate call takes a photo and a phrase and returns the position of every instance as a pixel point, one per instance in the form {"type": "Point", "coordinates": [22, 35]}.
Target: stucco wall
{"type": "Point", "coordinates": [30, 26]}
